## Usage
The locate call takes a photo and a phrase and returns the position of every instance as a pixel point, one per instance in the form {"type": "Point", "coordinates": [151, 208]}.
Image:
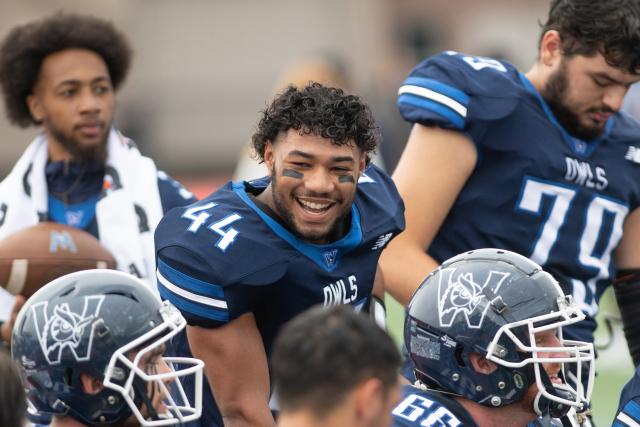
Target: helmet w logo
{"type": "Point", "coordinates": [462, 295]}
{"type": "Point", "coordinates": [65, 329]}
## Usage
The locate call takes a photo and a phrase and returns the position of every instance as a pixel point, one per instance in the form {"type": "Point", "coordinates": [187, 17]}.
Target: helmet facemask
{"type": "Point", "coordinates": [575, 357]}
{"type": "Point", "coordinates": [127, 375]}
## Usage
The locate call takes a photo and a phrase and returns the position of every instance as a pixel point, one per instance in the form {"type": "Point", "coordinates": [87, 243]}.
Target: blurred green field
{"type": "Point", "coordinates": [613, 366]}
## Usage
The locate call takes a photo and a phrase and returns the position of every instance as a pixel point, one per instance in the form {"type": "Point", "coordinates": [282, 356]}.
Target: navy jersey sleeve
{"type": "Point", "coordinates": [172, 193]}
{"type": "Point", "coordinates": [380, 204]}
{"type": "Point", "coordinates": [208, 262]}
{"type": "Point", "coordinates": [629, 406]}
{"type": "Point", "coordinates": [452, 90]}
{"type": "Point", "coordinates": [629, 414]}
{"type": "Point", "coordinates": [185, 279]}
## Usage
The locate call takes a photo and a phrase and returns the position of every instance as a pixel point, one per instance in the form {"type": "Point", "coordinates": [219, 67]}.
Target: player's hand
{"type": "Point", "coordinates": [7, 327]}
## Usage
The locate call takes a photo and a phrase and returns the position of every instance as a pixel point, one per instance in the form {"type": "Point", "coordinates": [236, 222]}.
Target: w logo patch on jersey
{"type": "Point", "coordinates": [330, 257]}
{"type": "Point", "coordinates": [463, 295]}
{"type": "Point", "coordinates": [66, 329]}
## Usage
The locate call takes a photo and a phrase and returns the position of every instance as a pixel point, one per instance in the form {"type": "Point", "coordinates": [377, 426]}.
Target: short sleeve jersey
{"type": "Point", "coordinates": [223, 257]}
{"type": "Point", "coordinates": [628, 414]}
{"type": "Point", "coordinates": [535, 189]}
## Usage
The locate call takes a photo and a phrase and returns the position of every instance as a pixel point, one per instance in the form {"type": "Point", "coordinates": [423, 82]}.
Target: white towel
{"type": "Point", "coordinates": [127, 213]}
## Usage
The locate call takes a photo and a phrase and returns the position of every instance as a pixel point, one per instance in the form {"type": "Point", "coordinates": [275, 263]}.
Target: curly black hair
{"type": "Point", "coordinates": [318, 110]}
{"type": "Point", "coordinates": [610, 27]}
{"type": "Point", "coordinates": [26, 46]}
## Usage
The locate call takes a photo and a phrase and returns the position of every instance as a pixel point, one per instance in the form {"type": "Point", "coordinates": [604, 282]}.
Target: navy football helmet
{"type": "Point", "coordinates": [494, 302]}
{"type": "Point", "coordinates": [108, 325]}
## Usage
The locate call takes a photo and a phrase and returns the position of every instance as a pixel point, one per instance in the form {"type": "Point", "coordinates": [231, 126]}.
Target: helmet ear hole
{"type": "Point", "coordinates": [458, 356]}
{"type": "Point", "coordinates": [68, 376]}
{"type": "Point", "coordinates": [68, 291]}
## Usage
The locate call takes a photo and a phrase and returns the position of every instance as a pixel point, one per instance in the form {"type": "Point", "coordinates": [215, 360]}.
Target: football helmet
{"type": "Point", "coordinates": [494, 302]}
{"type": "Point", "coordinates": [112, 327]}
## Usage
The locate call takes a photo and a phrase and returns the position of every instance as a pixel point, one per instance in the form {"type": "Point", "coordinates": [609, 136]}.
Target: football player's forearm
{"type": "Point", "coordinates": [248, 415]}
{"type": "Point", "coordinates": [242, 401]}
{"type": "Point", "coordinates": [627, 291]}
{"type": "Point", "coordinates": [236, 367]}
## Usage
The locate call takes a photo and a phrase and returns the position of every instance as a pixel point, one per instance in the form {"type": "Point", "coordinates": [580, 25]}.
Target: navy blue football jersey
{"type": "Point", "coordinates": [628, 414]}
{"type": "Point", "coordinates": [223, 257]}
{"type": "Point", "coordinates": [429, 408]}
{"type": "Point", "coordinates": [421, 408]}
{"type": "Point", "coordinates": [79, 208]}
{"type": "Point", "coordinates": [535, 189]}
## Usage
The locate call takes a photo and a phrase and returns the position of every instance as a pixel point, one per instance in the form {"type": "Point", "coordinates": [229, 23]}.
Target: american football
{"type": "Point", "coordinates": [36, 255]}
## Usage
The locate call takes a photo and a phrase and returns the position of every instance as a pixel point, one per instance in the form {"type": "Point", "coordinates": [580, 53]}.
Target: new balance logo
{"type": "Point", "coordinates": [633, 154]}
{"type": "Point", "coordinates": [382, 241]}
{"type": "Point", "coordinates": [365, 179]}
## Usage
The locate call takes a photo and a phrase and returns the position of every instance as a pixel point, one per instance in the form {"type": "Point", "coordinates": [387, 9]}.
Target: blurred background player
{"type": "Point", "coordinates": [13, 406]}
{"type": "Point", "coordinates": [251, 256]}
{"type": "Point", "coordinates": [61, 73]}
{"type": "Point", "coordinates": [90, 346]}
{"type": "Point", "coordinates": [485, 332]}
{"type": "Point", "coordinates": [335, 367]}
{"type": "Point", "coordinates": [552, 141]}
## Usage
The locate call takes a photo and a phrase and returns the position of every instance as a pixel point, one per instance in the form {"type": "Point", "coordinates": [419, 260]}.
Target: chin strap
{"type": "Point", "coordinates": [576, 419]}
{"type": "Point", "coordinates": [571, 419]}
{"type": "Point", "coordinates": [545, 421]}
{"type": "Point", "coordinates": [547, 407]}
{"type": "Point", "coordinates": [543, 405]}
{"type": "Point", "coordinates": [140, 388]}
{"type": "Point", "coordinates": [562, 415]}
